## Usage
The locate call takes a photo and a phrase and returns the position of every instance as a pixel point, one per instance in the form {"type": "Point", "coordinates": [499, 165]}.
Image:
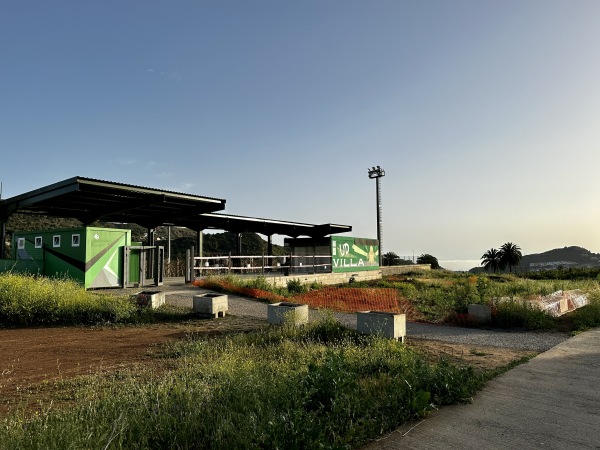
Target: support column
{"type": "Point", "coordinates": [239, 244]}
{"type": "Point", "coordinates": [151, 237]}
{"type": "Point", "coordinates": [200, 243]}
{"type": "Point", "coordinates": [2, 239]}
{"type": "Point", "coordinates": [169, 244]}
{"type": "Point", "coordinates": [270, 245]}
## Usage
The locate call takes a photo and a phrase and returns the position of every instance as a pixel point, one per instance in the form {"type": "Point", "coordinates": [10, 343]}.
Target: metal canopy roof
{"type": "Point", "coordinates": [241, 224]}
{"type": "Point", "coordinates": [88, 200]}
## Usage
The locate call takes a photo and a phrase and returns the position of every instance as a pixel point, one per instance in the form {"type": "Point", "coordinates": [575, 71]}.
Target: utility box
{"type": "Point", "coordinates": [91, 255]}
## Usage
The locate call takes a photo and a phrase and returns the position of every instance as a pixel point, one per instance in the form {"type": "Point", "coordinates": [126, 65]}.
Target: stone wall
{"type": "Point", "coordinates": [395, 270]}
{"type": "Point", "coordinates": [325, 278]}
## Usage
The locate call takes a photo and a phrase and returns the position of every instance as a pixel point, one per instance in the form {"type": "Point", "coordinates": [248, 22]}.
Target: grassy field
{"type": "Point", "coordinates": [321, 386]}
{"type": "Point", "coordinates": [442, 296]}
{"type": "Point", "coordinates": [39, 301]}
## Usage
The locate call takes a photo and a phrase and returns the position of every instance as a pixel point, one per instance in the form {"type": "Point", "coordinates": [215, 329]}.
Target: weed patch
{"type": "Point", "coordinates": [321, 386]}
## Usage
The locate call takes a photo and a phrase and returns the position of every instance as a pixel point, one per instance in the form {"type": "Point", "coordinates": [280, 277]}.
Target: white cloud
{"type": "Point", "coordinates": [172, 75]}
{"type": "Point", "coordinates": [123, 161]}
{"type": "Point", "coordinates": [164, 175]}
{"type": "Point", "coordinates": [175, 77]}
{"type": "Point", "coordinates": [186, 186]}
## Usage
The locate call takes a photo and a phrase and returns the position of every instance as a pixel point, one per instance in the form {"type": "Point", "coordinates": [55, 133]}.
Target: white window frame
{"type": "Point", "coordinates": [21, 243]}
{"type": "Point", "coordinates": [36, 240]}
{"type": "Point", "coordinates": [56, 241]}
{"type": "Point", "coordinates": [75, 237]}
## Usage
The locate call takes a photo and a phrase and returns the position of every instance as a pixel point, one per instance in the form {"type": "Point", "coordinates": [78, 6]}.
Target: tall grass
{"type": "Point", "coordinates": [588, 316]}
{"type": "Point", "coordinates": [317, 387]}
{"type": "Point", "coordinates": [30, 300]}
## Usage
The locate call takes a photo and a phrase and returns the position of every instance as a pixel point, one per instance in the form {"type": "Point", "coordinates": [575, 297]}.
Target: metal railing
{"type": "Point", "coordinates": [258, 265]}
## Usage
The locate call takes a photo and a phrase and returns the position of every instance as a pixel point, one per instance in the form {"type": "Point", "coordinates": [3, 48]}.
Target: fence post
{"type": "Point", "coordinates": [187, 266]}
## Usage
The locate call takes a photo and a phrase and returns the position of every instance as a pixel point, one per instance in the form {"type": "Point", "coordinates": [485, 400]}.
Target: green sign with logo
{"type": "Point", "coordinates": [350, 254]}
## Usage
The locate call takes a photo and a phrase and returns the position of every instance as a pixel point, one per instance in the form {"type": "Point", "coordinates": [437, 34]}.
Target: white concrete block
{"type": "Point", "coordinates": [385, 324]}
{"type": "Point", "coordinates": [149, 299]}
{"type": "Point", "coordinates": [211, 304]}
{"type": "Point", "coordinates": [278, 313]}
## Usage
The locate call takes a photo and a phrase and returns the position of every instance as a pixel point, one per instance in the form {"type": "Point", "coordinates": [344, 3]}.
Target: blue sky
{"type": "Point", "coordinates": [485, 115]}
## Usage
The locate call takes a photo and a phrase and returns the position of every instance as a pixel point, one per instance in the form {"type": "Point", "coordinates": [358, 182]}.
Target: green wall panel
{"type": "Point", "coordinates": [349, 254]}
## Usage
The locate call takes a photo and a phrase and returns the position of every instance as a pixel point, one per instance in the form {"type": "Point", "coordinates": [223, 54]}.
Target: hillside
{"type": "Point", "coordinates": [566, 257]}
{"type": "Point", "coordinates": [560, 257]}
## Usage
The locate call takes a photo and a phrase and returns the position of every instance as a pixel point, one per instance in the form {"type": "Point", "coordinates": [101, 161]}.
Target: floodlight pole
{"type": "Point", "coordinates": [377, 173]}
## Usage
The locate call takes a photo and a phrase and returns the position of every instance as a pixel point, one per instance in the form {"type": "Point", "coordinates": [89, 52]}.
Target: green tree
{"type": "Point", "coordinates": [391, 259]}
{"type": "Point", "coordinates": [428, 259]}
{"type": "Point", "coordinates": [492, 260]}
{"type": "Point", "coordinates": [510, 255]}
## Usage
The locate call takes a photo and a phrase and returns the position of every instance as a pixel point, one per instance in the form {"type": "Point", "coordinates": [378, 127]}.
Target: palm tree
{"type": "Point", "coordinates": [391, 259]}
{"type": "Point", "coordinates": [492, 260]}
{"type": "Point", "coordinates": [429, 259]}
{"type": "Point", "coordinates": [510, 255]}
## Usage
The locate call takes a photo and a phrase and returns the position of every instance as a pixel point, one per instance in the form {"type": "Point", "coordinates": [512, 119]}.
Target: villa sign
{"type": "Point", "coordinates": [350, 254]}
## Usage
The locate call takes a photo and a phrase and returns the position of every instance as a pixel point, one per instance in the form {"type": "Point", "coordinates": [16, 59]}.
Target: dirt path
{"type": "Point", "coordinates": [29, 357]}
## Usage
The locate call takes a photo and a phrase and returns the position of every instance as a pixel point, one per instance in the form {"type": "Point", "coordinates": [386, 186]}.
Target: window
{"type": "Point", "coordinates": [21, 243]}
{"type": "Point", "coordinates": [56, 241]}
{"type": "Point", "coordinates": [75, 240]}
{"type": "Point", "coordinates": [38, 242]}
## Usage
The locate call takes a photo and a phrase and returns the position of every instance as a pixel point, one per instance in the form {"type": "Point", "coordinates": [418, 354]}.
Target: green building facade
{"type": "Point", "coordinates": [94, 256]}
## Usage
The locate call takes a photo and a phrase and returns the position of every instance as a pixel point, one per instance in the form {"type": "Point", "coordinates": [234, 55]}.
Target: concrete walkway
{"type": "Point", "coordinates": [550, 402]}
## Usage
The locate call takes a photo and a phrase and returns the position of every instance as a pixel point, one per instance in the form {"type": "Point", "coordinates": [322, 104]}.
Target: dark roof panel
{"type": "Point", "coordinates": [88, 200]}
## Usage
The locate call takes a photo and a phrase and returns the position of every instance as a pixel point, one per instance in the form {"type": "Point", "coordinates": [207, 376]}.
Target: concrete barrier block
{"type": "Point", "coordinates": [480, 313]}
{"type": "Point", "coordinates": [278, 313]}
{"type": "Point", "coordinates": [211, 305]}
{"type": "Point", "coordinates": [385, 324]}
{"type": "Point", "coordinates": [149, 299]}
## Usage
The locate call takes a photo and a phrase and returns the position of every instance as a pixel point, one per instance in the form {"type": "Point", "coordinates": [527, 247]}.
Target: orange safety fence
{"type": "Point", "coordinates": [358, 299]}
{"type": "Point", "coordinates": [333, 298]}
{"type": "Point", "coordinates": [222, 285]}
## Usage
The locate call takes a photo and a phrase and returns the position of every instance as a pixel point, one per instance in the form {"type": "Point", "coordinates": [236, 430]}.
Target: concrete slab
{"type": "Point", "coordinates": [550, 402]}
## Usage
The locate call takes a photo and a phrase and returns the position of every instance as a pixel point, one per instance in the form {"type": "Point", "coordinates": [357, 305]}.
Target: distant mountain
{"type": "Point", "coordinates": [560, 257]}
{"type": "Point", "coordinates": [554, 259]}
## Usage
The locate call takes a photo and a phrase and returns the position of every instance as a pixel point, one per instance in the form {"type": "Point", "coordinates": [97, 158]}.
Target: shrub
{"type": "Point", "coordinates": [295, 286]}
{"type": "Point", "coordinates": [31, 300]}
{"type": "Point", "coordinates": [588, 316]}
{"type": "Point", "coordinates": [521, 314]}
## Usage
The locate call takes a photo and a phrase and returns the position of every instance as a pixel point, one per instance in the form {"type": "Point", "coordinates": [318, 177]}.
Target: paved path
{"type": "Point", "coordinates": [535, 341]}
{"type": "Point", "coordinates": [550, 402]}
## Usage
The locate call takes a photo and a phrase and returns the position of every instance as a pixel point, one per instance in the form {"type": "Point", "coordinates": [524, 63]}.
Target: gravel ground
{"type": "Point", "coordinates": [531, 340]}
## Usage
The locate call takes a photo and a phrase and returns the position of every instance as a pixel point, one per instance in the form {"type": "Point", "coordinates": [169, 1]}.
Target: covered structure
{"type": "Point", "coordinates": [89, 200]}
